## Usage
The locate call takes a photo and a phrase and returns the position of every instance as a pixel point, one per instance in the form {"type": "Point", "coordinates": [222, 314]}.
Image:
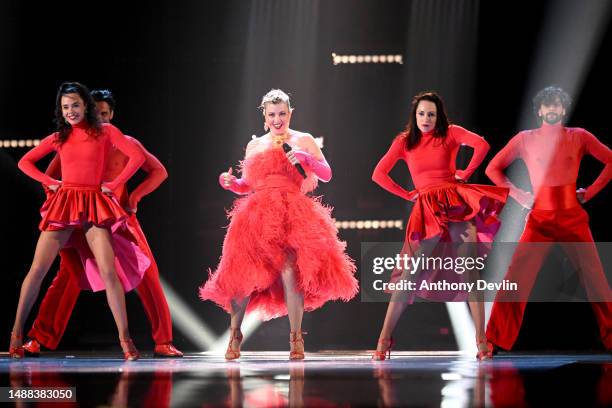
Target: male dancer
{"type": "Point", "coordinates": [552, 155]}
{"type": "Point", "coordinates": [62, 295]}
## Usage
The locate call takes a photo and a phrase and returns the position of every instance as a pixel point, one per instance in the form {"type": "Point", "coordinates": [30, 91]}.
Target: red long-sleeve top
{"type": "Point", "coordinates": [552, 155]}
{"type": "Point", "coordinates": [83, 157]}
{"type": "Point", "coordinates": [432, 161]}
{"type": "Point", "coordinates": [115, 163]}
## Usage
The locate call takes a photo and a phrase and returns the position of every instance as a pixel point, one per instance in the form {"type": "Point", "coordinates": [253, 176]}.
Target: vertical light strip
{"type": "Point", "coordinates": [187, 321]}
{"type": "Point", "coordinates": [463, 327]}
{"type": "Point", "coordinates": [251, 322]}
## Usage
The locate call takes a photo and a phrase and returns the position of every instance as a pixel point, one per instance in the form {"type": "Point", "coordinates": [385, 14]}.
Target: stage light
{"type": "Point", "coordinates": [338, 59]}
{"type": "Point", "coordinates": [369, 224]}
{"type": "Point", "coordinates": [15, 143]}
{"type": "Point", "coordinates": [187, 321]}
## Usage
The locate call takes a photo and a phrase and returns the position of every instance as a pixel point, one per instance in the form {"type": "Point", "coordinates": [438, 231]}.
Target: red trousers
{"type": "Point", "coordinates": [57, 305]}
{"type": "Point", "coordinates": [562, 225]}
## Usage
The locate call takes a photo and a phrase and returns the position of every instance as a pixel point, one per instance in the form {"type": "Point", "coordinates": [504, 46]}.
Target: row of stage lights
{"type": "Point", "coordinates": [370, 224]}
{"type": "Point", "coordinates": [367, 59]}
{"type": "Point", "coordinates": [7, 144]}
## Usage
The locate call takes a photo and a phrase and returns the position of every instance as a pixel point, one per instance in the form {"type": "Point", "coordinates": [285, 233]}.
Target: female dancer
{"type": "Point", "coordinates": [445, 210]}
{"type": "Point", "coordinates": [79, 203]}
{"type": "Point", "coordinates": [281, 254]}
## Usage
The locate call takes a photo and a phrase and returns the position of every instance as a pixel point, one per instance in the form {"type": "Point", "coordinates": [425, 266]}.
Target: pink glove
{"type": "Point", "coordinates": [319, 167]}
{"type": "Point", "coordinates": [229, 182]}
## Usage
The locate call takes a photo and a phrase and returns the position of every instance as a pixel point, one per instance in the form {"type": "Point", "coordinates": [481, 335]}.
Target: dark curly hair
{"type": "Point", "coordinates": [412, 133]}
{"type": "Point", "coordinates": [549, 96]}
{"type": "Point", "coordinates": [104, 95]}
{"type": "Point", "coordinates": [63, 127]}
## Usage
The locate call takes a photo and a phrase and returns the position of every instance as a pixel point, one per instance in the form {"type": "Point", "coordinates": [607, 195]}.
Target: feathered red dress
{"type": "Point", "coordinates": [278, 222]}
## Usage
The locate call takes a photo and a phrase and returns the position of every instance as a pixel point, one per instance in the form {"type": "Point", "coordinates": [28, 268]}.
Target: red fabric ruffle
{"type": "Point", "coordinates": [74, 206]}
{"type": "Point", "coordinates": [276, 223]}
{"type": "Point", "coordinates": [435, 208]}
{"type": "Point", "coordinates": [438, 205]}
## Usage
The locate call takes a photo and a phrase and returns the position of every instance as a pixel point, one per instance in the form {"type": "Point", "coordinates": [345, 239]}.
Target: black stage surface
{"type": "Point", "coordinates": [324, 379]}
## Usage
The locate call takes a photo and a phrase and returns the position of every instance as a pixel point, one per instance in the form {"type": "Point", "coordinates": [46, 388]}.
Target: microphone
{"type": "Point", "coordinates": [297, 165]}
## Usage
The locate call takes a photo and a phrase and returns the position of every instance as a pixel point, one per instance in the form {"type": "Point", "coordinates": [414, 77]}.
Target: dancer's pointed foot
{"type": "Point", "coordinates": [16, 346]}
{"type": "Point", "coordinates": [383, 349]}
{"type": "Point", "coordinates": [485, 349]}
{"type": "Point", "coordinates": [130, 352]}
{"type": "Point", "coordinates": [233, 348]}
{"type": "Point", "coordinates": [296, 345]}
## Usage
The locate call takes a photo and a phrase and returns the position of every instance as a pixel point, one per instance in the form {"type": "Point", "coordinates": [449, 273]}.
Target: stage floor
{"type": "Point", "coordinates": [324, 379]}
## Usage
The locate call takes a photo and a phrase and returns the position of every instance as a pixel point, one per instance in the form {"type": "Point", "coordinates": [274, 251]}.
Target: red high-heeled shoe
{"type": "Point", "coordinates": [233, 354]}
{"type": "Point", "coordinates": [294, 340]}
{"type": "Point", "coordinates": [386, 353]}
{"type": "Point", "coordinates": [16, 351]}
{"type": "Point", "coordinates": [132, 353]}
{"type": "Point", "coordinates": [484, 354]}
{"type": "Point", "coordinates": [32, 348]}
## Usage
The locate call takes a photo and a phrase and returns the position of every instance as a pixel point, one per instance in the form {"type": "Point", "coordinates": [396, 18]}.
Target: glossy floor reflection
{"type": "Point", "coordinates": [326, 379]}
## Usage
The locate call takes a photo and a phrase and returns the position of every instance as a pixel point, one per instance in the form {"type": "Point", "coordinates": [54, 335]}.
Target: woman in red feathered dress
{"type": "Point", "coordinates": [446, 210]}
{"type": "Point", "coordinates": [281, 254]}
{"type": "Point", "coordinates": [80, 211]}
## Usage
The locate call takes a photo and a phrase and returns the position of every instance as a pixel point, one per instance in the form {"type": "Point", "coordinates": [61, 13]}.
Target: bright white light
{"type": "Point", "coordinates": [367, 59]}
{"type": "Point", "coordinates": [17, 143]}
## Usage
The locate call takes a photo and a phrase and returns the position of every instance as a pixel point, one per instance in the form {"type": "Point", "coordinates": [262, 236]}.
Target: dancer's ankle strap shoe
{"type": "Point", "coordinates": [167, 351]}
{"type": "Point", "coordinates": [386, 352]}
{"type": "Point", "coordinates": [234, 353]}
{"type": "Point", "coordinates": [131, 354]}
{"type": "Point", "coordinates": [296, 339]}
{"type": "Point", "coordinates": [32, 348]}
{"type": "Point", "coordinates": [485, 354]}
{"type": "Point", "coordinates": [16, 351]}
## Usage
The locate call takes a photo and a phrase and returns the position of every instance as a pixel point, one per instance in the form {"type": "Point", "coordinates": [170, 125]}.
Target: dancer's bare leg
{"type": "Point", "coordinates": [295, 305]}
{"type": "Point", "coordinates": [47, 248]}
{"type": "Point", "coordinates": [99, 241]}
{"type": "Point", "coordinates": [399, 302]}
{"type": "Point", "coordinates": [465, 232]}
{"type": "Point", "coordinates": [293, 299]}
{"type": "Point", "coordinates": [239, 307]}
{"type": "Point", "coordinates": [238, 310]}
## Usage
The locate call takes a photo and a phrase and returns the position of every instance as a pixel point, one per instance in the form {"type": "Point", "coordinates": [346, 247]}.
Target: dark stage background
{"type": "Point", "coordinates": [188, 77]}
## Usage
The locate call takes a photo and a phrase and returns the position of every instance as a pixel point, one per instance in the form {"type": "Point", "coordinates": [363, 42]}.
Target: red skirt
{"type": "Point", "coordinates": [435, 208]}
{"type": "Point", "coordinates": [76, 206]}
{"type": "Point", "coordinates": [275, 224]}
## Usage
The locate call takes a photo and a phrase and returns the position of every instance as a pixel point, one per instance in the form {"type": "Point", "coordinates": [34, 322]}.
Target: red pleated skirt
{"type": "Point", "coordinates": [77, 206]}
{"type": "Point", "coordinates": [436, 207]}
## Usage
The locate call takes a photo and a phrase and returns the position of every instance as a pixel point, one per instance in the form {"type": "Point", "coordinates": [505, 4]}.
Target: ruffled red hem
{"type": "Point", "coordinates": [438, 205]}
{"type": "Point", "coordinates": [77, 205]}
{"type": "Point", "coordinates": [435, 208]}
{"type": "Point", "coordinates": [268, 227]}
{"type": "Point", "coordinates": [74, 206]}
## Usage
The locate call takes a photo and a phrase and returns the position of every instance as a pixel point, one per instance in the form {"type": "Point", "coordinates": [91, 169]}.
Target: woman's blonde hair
{"type": "Point", "coordinates": [275, 96]}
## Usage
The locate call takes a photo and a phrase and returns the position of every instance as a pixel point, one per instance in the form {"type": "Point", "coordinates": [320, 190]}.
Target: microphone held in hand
{"type": "Point", "coordinates": [297, 164]}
